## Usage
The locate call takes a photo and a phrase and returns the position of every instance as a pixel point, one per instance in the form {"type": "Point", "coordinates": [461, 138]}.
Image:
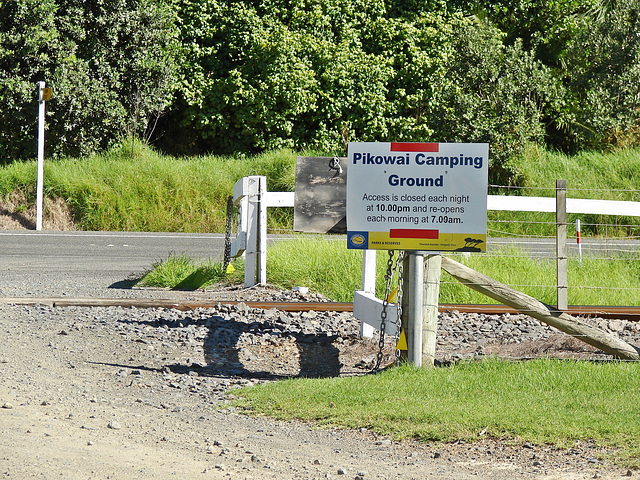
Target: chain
{"type": "Point", "coordinates": [391, 268]}
{"type": "Point", "coordinates": [383, 316]}
{"type": "Point", "coordinates": [227, 236]}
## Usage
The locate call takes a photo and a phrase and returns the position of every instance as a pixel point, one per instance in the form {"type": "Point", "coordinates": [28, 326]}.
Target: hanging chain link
{"type": "Point", "coordinates": [227, 237]}
{"type": "Point", "coordinates": [385, 304]}
{"type": "Point", "coordinates": [400, 270]}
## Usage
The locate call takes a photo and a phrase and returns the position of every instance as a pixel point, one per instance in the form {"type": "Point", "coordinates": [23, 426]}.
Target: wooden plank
{"type": "Point", "coordinates": [536, 309]}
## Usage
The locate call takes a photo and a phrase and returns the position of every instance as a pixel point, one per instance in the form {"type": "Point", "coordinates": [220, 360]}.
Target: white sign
{"type": "Point", "coordinates": [417, 196]}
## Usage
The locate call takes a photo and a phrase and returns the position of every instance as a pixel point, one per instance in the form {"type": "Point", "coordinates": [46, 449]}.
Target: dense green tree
{"type": "Point", "coordinates": [29, 46]}
{"type": "Point", "coordinates": [319, 74]}
{"type": "Point", "coordinates": [111, 64]}
{"type": "Point", "coordinates": [250, 75]}
{"type": "Point", "coordinates": [496, 93]}
{"type": "Point", "coordinates": [602, 71]}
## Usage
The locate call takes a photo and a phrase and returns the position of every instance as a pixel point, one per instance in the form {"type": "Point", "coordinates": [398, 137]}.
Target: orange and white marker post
{"type": "Point", "coordinates": [579, 238]}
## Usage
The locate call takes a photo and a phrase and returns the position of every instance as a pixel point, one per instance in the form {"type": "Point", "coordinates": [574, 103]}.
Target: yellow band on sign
{"type": "Point", "coordinates": [446, 242]}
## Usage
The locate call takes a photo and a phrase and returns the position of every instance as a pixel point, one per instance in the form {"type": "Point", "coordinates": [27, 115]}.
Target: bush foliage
{"type": "Point", "coordinates": [248, 76]}
{"type": "Point", "coordinates": [112, 66]}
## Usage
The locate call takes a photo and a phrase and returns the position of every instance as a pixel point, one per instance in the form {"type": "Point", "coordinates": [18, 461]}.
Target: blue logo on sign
{"type": "Point", "coordinates": [358, 240]}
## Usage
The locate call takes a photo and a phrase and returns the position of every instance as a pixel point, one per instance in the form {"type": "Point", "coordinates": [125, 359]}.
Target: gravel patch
{"type": "Point", "coordinates": [113, 392]}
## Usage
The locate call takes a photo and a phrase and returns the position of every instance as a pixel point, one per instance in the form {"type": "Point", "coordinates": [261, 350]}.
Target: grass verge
{"type": "Point", "coordinates": [540, 401]}
{"type": "Point", "coordinates": [326, 266]}
{"type": "Point", "coordinates": [133, 188]}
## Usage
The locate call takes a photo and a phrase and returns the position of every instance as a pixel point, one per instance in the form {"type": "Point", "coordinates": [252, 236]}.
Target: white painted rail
{"type": "Point", "coordinates": [252, 198]}
{"type": "Point", "coordinates": [574, 205]}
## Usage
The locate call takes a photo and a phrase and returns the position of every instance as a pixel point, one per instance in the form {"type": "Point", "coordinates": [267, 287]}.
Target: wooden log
{"type": "Point", "coordinates": [536, 309]}
{"type": "Point", "coordinates": [432, 271]}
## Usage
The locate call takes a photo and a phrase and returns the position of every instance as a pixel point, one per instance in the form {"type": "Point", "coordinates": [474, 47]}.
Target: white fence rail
{"type": "Point", "coordinates": [252, 199]}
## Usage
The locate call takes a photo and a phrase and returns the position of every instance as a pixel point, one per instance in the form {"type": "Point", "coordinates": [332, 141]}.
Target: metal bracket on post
{"type": "Point", "coordinates": [251, 196]}
{"type": "Point", "coordinates": [366, 307]}
{"type": "Point", "coordinates": [415, 291]}
{"type": "Point", "coordinates": [250, 241]}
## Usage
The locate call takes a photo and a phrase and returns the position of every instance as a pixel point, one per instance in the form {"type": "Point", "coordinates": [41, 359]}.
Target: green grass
{"type": "Point", "coordinates": [133, 188]}
{"type": "Point", "coordinates": [541, 401]}
{"type": "Point", "coordinates": [326, 266]}
{"type": "Point", "coordinates": [181, 273]}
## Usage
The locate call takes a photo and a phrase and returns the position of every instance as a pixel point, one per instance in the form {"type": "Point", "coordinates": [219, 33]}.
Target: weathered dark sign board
{"type": "Point", "coordinates": [320, 204]}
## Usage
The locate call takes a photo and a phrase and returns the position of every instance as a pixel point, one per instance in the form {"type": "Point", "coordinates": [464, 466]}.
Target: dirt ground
{"type": "Point", "coordinates": [96, 394]}
{"type": "Point", "coordinates": [17, 213]}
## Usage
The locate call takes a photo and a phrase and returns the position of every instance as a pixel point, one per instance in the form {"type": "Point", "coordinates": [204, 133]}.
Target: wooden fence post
{"type": "Point", "coordinates": [432, 273]}
{"type": "Point", "coordinates": [562, 282]}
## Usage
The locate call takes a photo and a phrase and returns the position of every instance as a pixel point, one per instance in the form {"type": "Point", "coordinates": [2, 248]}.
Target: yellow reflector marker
{"type": "Point", "coordinates": [402, 342]}
{"type": "Point", "coordinates": [393, 296]}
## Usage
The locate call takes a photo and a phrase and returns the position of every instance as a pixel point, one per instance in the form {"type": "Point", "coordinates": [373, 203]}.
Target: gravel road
{"type": "Point", "coordinates": [125, 393]}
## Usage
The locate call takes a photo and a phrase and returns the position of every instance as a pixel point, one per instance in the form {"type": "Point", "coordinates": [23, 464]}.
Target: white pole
{"type": "Point", "coordinates": [41, 103]}
{"type": "Point", "coordinates": [261, 258]}
{"type": "Point", "coordinates": [414, 330]}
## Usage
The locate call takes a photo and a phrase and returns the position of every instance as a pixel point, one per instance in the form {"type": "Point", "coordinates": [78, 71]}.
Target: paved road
{"type": "Point", "coordinates": [100, 263]}
{"type": "Point", "coordinates": [82, 263]}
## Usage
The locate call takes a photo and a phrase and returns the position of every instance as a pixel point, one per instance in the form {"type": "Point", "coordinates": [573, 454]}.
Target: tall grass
{"type": "Point", "coordinates": [612, 176]}
{"type": "Point", "coordinates": [327, 266]}
{"type": "Point", "coordinates": [606, 176]}
{"type": "Point", "coordinates": [133, 188]}
{"type": "Point", "coordinates": [180, 273]}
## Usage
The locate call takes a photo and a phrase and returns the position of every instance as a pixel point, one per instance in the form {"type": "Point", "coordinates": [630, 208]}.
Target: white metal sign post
{"type": "Point", "coordinates": [420, 197]}
{"type": "Point", "coordinates": [43, 95]}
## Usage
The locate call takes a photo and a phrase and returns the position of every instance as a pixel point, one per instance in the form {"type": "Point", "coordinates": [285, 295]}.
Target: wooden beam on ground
{"type": "Point", "coordinates": [536, 309]}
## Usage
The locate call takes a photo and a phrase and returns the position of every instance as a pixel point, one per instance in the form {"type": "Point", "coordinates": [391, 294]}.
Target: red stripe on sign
{"type": "Point", "coordinates": [413, 233]}
{"type": "Point", "coordinates": [415, 147]}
